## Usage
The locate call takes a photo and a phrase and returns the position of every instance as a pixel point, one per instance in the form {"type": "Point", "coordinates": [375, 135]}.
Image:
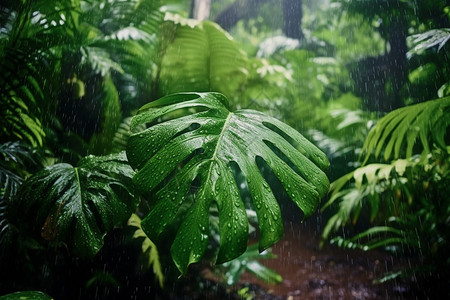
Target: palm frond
{"type": "Point", "coordinates": [101, 141]}
{"type": "Point", "coordinates": [15, 159]}
{"type": "Point", "coordinates": [396, 134]}
{"type": "Point", "coordinates": [388, 236]}
{"type": "Point", "coordinates": [431, 38]}
{"type": "Point", "coordinates": [20, 95]}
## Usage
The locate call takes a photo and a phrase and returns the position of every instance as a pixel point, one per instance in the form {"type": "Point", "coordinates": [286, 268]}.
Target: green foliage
{"type": "Point", "coordinates": [69, 71]}
{"type": "Point", "coordinates": [266, 87]}
{"type": "Point", "coordinates": [404, 203]}
{"type": "Point", "coordinates": [201, 58]}
{"type": "Point", "coordinates": [77, 206]}
{"type": "Point", "coordinates": [249, 262]}
{"type": "Point", "coordinates": [122, 134]}
{"type": "Point", "coordinates": [431, 38]}
{"type": "Point", "coordinates": [374, 241]}
{"type": "Point", "coordinates": [101, 141]}
{"type": "Point", "coordinates": [74, 57]}
{"type": "Point", "coordinates": [397, 132]}
{"type": "Point", "coordinates": [352, 31]}
{"type": "Point", "coordinates": [15, 161]}
{"type": "Point", "coordinates": [21, 86]}
{"type": "Point", "coordinates": [148, 248]}
{"type": "Point", "coordinates": [200, 133]}
{"type": "Point", "coordinates": [367, 182]}
{"type": "Point", "coordinates": [25, 295]}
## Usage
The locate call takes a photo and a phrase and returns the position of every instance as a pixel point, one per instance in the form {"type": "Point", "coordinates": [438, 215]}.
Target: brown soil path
{"type": "Point", "coordinates": [329, 273]}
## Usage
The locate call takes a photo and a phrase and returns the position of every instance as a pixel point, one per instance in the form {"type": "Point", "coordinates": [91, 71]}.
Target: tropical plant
{"type": "Point", "coordinates": [202, 144]}
{"type": "Point", "coordinates": [202, 57]}
{"type": "Point", "coordinates": [405, 201]}
{"type": "Point", "coordinates": [249, 262]}
{"type": "Point", "coordinates": [431, 38]}
{"type": "Point", "coordinates": [16, 160]}
{"type": "Point", "coordinates": [149, 249]}
{"type": "Point", "coordinates": [64, 64]}
{"type": "Point", "coordinates": [77, 206]}
{"type": "Point", "coordinates": [397, 133]}
{"type": "Point", "coordinates": [199, 140]}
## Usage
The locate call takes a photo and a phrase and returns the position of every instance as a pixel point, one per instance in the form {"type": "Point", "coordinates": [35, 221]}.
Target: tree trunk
{"type": "Point", "coordinates": [293, 13]}
{"type": "Point", "coordinates": [397, 61]}
{"type": "Point", "coordinates": [240, 9]}
{"type": "Point", "coordinates": [200, 9]}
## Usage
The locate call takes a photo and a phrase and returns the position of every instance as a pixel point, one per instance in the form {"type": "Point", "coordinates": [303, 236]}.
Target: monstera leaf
{"type": "Point", "coordinates": [79, 205]}
{"type": "Point", "coordinates": [191, 148]}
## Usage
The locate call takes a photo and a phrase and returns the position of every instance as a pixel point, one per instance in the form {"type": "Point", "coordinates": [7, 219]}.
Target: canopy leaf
{"type": "Point", "coordinates": [79, 205]}
{"type": "Point", "coordinates": [192, 147]}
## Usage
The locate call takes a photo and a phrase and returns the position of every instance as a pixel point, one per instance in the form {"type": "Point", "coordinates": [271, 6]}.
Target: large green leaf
{"type": "Point", "coordinates": [201, 58]}
{"type": "Point", "coordinates": [78, 205]}
{"type": "Point", "coordinates": [193, 151]}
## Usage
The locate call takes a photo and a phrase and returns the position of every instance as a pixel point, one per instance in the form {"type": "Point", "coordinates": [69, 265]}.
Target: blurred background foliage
{"type": "Point", "coordinates": [73, 72]}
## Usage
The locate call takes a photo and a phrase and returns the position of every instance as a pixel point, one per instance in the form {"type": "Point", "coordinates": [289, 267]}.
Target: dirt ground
{"type": "Point", "coordinates": [329, 273]}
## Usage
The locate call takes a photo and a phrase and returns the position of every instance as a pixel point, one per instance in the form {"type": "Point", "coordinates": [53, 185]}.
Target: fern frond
{"type": "Point", "coordinates": [396, 238]}
{"type": "Point", "coordinates": [149, 249]}
{"type": "Point", "coordinates": [351, 189]}
{"type": "Point", "coordinates": [15, 159]}
{"type": "Point", "coordinates": [122, 134]}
